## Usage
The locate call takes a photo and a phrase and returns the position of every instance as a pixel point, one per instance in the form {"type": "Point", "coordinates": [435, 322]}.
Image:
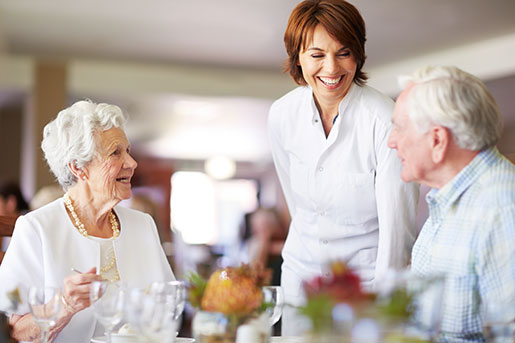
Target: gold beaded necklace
{"type": "Point", "coordinates": [82, 229]}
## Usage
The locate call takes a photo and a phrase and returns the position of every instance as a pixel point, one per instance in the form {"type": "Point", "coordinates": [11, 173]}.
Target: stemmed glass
{"type": "Point", "coordinates": [156, 314]}
{"type": "Point", "coordinates": [107, 300]}
{"type": "Point", "coordinates": [274, 296]}
{"type": "Point", "coordinates": [45, 304]}
{"type": "Point", "coordinates": [173, 293]}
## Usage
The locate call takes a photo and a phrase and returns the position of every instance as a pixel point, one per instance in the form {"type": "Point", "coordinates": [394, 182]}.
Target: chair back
{"type": "Point", "coordinates": [6, 229]}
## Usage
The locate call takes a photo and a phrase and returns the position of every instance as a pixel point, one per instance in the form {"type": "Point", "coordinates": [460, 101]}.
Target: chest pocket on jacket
{"type": "Point", "coordinates": [299, 177]}
{"type": "Point", "coordinates": [355, 201]}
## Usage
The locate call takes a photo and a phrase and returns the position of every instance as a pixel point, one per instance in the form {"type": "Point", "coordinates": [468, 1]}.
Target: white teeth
{"type": "Point", "coordinates": [330, 81]}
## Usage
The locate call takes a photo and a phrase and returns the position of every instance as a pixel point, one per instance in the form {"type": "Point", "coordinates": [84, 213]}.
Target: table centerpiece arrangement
{"type": "Point", "coordinates": [229, 305]}
{"type": "Point", "coordinates": [340, 310]}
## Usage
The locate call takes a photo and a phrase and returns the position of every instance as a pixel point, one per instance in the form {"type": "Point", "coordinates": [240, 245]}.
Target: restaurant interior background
{"type": "Point", "coordinates": [197, 78]}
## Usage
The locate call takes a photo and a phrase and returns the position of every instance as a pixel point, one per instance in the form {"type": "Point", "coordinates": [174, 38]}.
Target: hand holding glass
{"type": "Point", "coordinates": [274, 296]}
{"type": "Point", "coordinates": [45, 304]}
{"type": "Point", "coordinates": [107, 300]}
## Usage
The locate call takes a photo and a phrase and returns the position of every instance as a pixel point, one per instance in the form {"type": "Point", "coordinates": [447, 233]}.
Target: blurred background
{"type": "Point", "coordinates": [196, 79]}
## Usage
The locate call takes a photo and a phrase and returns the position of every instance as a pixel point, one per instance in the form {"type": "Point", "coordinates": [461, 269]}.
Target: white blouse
{"type": "Point", "coordinates": [344, 192]}
{"type": "Point", "coordinates": [45, 246]}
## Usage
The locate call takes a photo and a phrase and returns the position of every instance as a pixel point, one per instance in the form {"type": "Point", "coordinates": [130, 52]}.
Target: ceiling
{"type": "Point", "coordinates": [243, 33]}
{"type": "Point", "coordinates": [233, 36]}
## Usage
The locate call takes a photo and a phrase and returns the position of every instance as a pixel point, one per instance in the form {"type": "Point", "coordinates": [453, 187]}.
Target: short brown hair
{"type": "Point", "coordinates": [341, 20]}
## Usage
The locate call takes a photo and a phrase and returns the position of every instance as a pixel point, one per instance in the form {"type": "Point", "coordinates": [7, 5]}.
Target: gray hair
{"type": "Point", "coordinates": [449, 97]}
{"type": "Point", "coordinates": [72, 136]}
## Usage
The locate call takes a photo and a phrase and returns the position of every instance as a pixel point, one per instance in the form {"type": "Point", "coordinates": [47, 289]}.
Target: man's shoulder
{"type": "Point", "coordinates": [496, 187]}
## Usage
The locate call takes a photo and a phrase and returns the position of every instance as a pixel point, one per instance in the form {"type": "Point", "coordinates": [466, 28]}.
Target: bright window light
{"type": "Point", "coordinates": [209, 211]}
{"type": "Point", "coordinates": [193, 207]}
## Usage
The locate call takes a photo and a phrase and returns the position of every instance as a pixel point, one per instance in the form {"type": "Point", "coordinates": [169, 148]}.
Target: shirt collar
{"type": "Point", "coordinates": [352, 93]}
{"type": "Point", "coordinates": [444, 197]}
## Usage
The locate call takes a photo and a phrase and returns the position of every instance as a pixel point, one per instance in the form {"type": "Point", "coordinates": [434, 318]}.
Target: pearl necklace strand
{"type": "Point", "coordinates": [82, 229]}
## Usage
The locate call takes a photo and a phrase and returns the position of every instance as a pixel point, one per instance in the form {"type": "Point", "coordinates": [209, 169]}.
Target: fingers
{"type": "Point", "coordinates": [76, 290]}
{"type": "Point", "coordinates": [92, 271]}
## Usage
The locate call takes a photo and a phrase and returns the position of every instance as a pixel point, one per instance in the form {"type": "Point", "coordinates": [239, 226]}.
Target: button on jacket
{"type": "Point", "coordinates": [344, 191]}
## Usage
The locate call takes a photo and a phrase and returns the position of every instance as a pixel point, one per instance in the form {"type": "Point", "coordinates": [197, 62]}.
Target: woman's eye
{"type": "Point", "coordinates": [317, 56]}
{"type": "Point", "coordinates": [344, 54]}
{"type": "Point", "coordinates": [116, 152]}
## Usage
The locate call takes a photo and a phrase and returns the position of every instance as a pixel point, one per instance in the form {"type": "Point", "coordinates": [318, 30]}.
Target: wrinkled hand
{"type": "Point", "coordinates": [76, 290]}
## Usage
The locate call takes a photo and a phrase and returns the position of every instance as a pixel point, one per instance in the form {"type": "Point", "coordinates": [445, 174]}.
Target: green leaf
{"type": "Point", "coordinates": [319, 310]}
{"type": "Point", "coordinates": [196, 288]}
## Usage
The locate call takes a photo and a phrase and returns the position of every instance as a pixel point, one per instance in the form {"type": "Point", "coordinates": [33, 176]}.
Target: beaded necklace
{"type": "Point", "coordinates": [82, 230]}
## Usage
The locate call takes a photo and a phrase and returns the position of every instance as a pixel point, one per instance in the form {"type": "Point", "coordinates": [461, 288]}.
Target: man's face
{"type": "Point", "coordinates": [413, 148]}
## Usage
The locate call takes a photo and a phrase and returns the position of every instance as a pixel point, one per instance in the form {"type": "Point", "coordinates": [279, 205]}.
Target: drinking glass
{"type": "Point", "coordinates": [107, 300]}
{"type": "Point", "coordinates": [498, 319]}
{"type": "Point", "coordinates": [173, 293]}
{"type": "Point", "coordinates": [274, 296]}
{"type": "Point", "coordinates": [156, 314]}
{"type": "Point", "coordinates": [45, 304]}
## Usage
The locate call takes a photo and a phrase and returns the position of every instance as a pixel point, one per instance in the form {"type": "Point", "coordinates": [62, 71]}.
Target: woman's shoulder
{"type": "Point", "coordinates": [134, 218]}
{"type": "Point", "coordinates": [130, 213]}
{"type": "Point", "coordinates": [292, 98]}
{"type": "Point", "coordinates": [376, 99]}
{"type": "Point", "coordinates": [48, 212]}
{"type": "Point", "coordinates": [376, 104]}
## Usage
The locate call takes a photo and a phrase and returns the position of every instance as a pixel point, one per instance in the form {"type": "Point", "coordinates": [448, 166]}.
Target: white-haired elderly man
{"type": "Point", "coordinates": [445, 127]}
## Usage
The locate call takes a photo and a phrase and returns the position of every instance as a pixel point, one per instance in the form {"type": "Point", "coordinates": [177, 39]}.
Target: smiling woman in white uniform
{"type": "Point", "coordinates": [328, 139]}
{"type": "Point", "coordinates": [88, 151]}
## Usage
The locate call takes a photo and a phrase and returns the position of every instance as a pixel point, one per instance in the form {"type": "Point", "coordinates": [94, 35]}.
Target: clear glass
{"type": "Point", "coordinates": [45, 304]}
{"type": "Point", "coordinates": [107, 301]}
{"type": "Point", "coordinates": [156, 315]}
{"type": "Point", "coordinates": [173, 293]}
{"type": "Point", "coordinates": [498, 319]}
{"type": "Point", "coordinates": [274, 295]}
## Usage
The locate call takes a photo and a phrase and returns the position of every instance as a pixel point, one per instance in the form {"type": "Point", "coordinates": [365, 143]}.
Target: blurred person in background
{"type": "Point", "coordinates": [87, 150]}
{"type": "Point", "coordinates": [45, 195]}
{"type": "Point", "coordinates": [266, 241]}
{"type": "Point", "coordinates": [329, 144]}
{"type": "Point", "coordinates": [445, 127]}
{"type": "Point", "coordinates": [12, 204]}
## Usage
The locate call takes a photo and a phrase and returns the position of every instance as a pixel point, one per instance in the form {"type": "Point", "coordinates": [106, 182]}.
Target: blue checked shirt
{"type": "Point", "coordinates": [470, 237]}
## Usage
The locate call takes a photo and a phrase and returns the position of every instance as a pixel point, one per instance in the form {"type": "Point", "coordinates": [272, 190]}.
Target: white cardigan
{"type": "Point", "coordinates": [45, 246]}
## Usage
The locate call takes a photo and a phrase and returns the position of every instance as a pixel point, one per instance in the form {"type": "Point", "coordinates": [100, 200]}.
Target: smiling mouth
{"type": "Point", "coordinates": [331, 81]}
{"type": "Point", "coordinates": [124, 179]}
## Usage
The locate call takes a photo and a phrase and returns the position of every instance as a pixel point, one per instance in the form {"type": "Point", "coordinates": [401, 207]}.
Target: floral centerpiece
{"type": "Point", "coordinates": [230, 298]}
{"type": "Point", "coordinates": [336, 303]}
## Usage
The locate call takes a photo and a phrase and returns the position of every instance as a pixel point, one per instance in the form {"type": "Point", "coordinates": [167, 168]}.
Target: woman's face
{"type": "Point", "coordinates": [109, 174]}
{"type": "Point", "coordinates": [327, 66]}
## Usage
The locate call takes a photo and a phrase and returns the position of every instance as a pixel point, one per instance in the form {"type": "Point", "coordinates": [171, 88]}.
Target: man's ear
{"type": "Point", "coordinates": [78, 172]}
{"type": "Point", "coordinates": [440, 139]}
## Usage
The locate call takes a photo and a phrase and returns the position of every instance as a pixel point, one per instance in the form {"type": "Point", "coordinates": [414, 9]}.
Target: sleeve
{"type": "Point", "coordinates": [496, 262]}
{"type": "Point", "coordinates": [396, 203]}
{"type": "Point", "coordinates": [22, 266]}
{"type": "Point", "coordinates": [279, 155]}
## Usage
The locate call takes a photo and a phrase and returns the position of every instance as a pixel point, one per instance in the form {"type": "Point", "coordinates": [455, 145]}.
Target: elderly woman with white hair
{"type": "Point", "coordinates": [87, 150]}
